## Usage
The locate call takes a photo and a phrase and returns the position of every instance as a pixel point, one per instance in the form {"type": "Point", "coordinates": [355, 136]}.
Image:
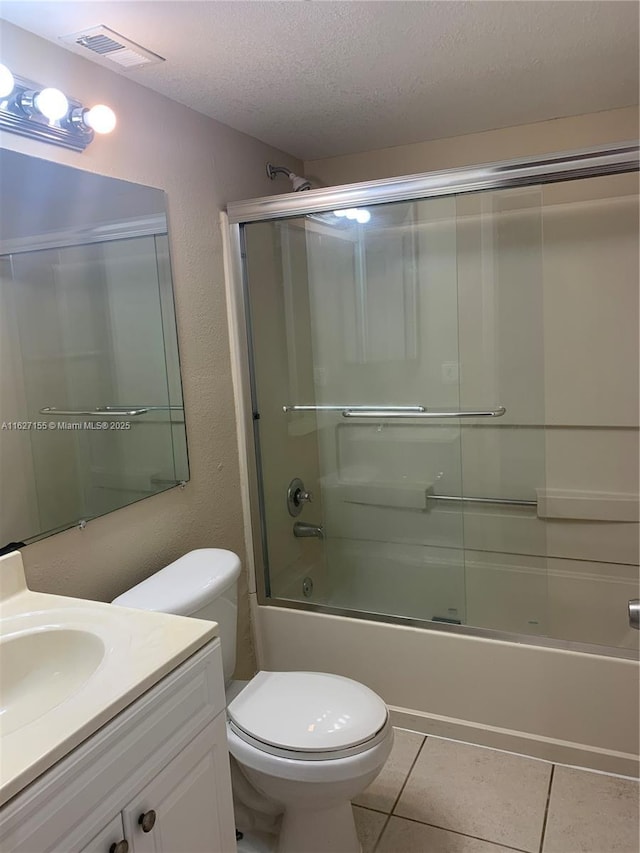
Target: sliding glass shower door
{"type": "Point", "coordinates": [398, 402]}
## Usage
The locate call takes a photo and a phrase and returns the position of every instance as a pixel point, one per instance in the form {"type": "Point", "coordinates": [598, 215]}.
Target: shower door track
{"type": "Point", "coordinates": [468, 630]}
{"type": "Point", "coordinates": [566, 166]}
{"type": "Point", "coordinates": [551, 168]}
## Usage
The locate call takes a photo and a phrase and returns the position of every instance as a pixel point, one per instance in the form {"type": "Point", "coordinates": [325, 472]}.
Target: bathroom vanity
{"type": "Point", "coordinates": [132, 760]}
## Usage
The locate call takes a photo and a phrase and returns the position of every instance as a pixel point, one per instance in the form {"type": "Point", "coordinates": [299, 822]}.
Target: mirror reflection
{"type": "Point", "coordinates": [91, 410]}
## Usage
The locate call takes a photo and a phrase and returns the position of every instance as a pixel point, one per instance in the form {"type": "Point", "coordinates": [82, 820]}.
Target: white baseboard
{"type": "Point", "coordinates": [521, 743]}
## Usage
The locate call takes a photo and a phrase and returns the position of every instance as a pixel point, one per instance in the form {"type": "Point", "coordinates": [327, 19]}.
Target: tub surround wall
{"type": "Point", "coordinates": [201, 165]}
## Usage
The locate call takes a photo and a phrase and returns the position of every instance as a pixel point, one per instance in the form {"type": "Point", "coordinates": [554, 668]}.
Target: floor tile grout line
{"type": "Point", "coordinates": [435, 826]}
{"type": "Point", "coordinates": [406, 778]}
{"type": "Point", "coordinates": [379, 838]}
{"type": "Point", "coordinates": [395, 802]}
{"type": "Point", "coordinates": [464, 834]}
{"type": "Point", "coordinates": [370, 809]}
{"type": "Point", "coordinates": [546, 809]}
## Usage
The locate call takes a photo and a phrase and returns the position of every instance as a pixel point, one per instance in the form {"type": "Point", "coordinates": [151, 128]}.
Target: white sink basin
{"type": "Point", "coordinates": [68, 666]}
{"type": "Point", "coordinates": [40, 669]}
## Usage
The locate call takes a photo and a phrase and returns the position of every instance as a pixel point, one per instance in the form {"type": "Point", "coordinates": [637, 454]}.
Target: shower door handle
{"type": "Point", "coordinates": [498, 412]}
{"type": "Point", "coordinates": [99, 411]}
{"type": "Point", "coordinates": [634, 613]}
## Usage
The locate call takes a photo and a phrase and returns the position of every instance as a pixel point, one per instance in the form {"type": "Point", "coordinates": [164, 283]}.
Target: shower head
{"type": "Point", "coordinates": [299, 184]}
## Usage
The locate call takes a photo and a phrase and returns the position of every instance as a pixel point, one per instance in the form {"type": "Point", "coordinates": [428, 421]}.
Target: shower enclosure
{"type": "Point", "coordinates": [441, 399]}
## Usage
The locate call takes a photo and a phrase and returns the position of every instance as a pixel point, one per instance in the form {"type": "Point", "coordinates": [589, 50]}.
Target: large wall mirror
{"type": "Point", "coordinates": [91, 407]}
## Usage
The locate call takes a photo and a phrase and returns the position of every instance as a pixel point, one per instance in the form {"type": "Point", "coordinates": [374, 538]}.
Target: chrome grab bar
{"type": "Point", "coordinates": [348, 408]}
{"type": "Point", "coordinates": [109, 411]}
{"type": "Point", "coordinates": [145, 407]}
{"type": "Point", "coordinates": [508, 501]}
{"type": "Point", "coordinates": [99, 411]}
{"type": "Point", "coordinates": [400, 413]}
{"type": "Point", "coordinates": [417, 411]}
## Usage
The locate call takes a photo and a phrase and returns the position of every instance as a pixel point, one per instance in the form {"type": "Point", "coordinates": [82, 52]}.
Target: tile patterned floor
{"type": "Point", "coordinates": [440, 796]}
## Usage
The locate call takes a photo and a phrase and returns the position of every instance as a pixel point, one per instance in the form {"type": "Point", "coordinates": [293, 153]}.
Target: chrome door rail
{"type": "Point", "coordinates": [417, 411]}
{"type": "Point", "coordinates": [349, 408]}
{"type": "Point", "coordinates": [100, 411]}
{"type": "Point", "coordinates": [498, 412]}
{"type": "Point", "coordinates": [144, 406]}
{"type": "Point", "coordinates": [584, 163]}
{"type": "Point", "coordinates": [109, 411]}
{"type": "Point", "coordinates": [501, 501]}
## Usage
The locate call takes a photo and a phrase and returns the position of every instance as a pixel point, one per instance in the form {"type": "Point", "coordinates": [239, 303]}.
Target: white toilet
{"type": "Point", "coordinates": [306, 743]}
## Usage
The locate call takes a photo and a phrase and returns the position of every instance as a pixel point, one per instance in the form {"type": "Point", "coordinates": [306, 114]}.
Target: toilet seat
{"type": "Point", "coordinates": [329, 770]}
{"type": "Point", "coordinates": [308, 716]}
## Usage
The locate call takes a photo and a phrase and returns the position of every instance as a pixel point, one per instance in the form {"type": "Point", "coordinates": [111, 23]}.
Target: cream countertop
{"type": "Point", "coordinates": [46, 711]}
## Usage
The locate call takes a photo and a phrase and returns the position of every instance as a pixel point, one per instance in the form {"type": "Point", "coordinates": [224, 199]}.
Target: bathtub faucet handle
{"type": "Point", "coordinates": [297, 497]}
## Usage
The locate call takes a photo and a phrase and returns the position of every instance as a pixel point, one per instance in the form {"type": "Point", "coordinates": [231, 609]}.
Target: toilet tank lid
{"type": "Point", "coordinates": [186, 585]}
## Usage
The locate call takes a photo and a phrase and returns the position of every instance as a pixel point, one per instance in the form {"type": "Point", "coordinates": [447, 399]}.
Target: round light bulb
{"type": "Point", "coordinates": [100, 118]}
{"type": "Point", "coordinates": [52, 103]}
{"type": "Point", "coordinates": [6, 81]}
{"type": "Point", "coordinates": [363, 216]}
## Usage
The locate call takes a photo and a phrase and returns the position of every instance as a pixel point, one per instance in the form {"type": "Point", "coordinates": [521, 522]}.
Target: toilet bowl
{"type": "Point", "coordinates": [305, 743]}
{"type": "Point", "coordinates": [310, 742]}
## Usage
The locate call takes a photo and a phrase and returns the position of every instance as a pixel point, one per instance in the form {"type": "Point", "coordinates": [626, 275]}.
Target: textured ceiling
{"type": "Point", "coordinates": [319, 79]}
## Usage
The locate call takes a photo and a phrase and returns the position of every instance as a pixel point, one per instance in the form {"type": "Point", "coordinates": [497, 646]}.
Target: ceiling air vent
{"type": "Point", "coordinates": [112, 46]}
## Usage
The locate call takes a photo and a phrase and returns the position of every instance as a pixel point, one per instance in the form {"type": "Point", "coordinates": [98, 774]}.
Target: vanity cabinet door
{"type": "Point", "coordinates": [188, 807]}
{"type": "Point", "coordinates": [108, 840]}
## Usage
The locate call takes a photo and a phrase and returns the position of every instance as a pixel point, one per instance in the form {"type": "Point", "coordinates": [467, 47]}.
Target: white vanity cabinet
{"type": "Point", "coordinates": [176, 811]}
{"type": "Point", "coordinates": [153, 780]}
{"type": "Point", "coordinates": [109, 839]}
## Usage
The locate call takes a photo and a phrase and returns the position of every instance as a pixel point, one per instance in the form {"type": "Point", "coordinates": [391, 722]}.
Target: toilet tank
{"type": "Point", "coordinates": [203, 584]}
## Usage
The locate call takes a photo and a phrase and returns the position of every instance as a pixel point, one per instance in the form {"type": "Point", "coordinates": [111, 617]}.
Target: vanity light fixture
{"type": "Point", "coordinates": [7, 82]}
{"type": "Point", "coordinates": [100, 118]}
{"type": "Point", "coordinates": [47, 114]}
{"type": "Point", "coordinates": [50, 103]}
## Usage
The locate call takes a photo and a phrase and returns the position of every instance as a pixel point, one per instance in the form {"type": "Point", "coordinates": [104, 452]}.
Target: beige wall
{"type": "Point", "coordinates": [201, 165]}
{"type": "Point", "coordinates": [561, 134]}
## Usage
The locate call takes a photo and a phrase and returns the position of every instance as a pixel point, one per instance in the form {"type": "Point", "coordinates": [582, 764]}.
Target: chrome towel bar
{"type": "Point", "coordinates": [348, 408]}
{"type": "Point", "coordinates": [99, 411]}
{"type": "Point", "coordinates": [398, 413]}
{"type": "Point", "coordinates": [503, 501]}
{"type": "Point", "coordinates": [109, 411]}
{"type": "Point", "coordinates": [362, 411]}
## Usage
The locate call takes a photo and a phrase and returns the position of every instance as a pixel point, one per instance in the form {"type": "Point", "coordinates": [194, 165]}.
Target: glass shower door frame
{"type": "Point", "coordinates": [587, 163]}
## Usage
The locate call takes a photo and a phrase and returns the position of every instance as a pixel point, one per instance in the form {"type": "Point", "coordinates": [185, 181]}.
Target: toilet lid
{"type": "Point", "coordinates": [309, 712]}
